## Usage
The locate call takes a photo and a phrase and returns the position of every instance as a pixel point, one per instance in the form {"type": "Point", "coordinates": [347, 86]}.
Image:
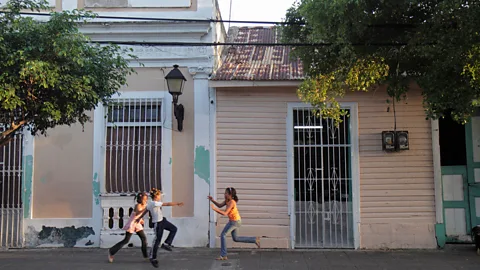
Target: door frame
{"type": "Point", "coordinates": [472, 186]}
{"type": "Point", "coordinates": [355, 168]}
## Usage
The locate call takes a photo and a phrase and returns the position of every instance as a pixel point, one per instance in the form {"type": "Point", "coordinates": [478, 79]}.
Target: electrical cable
{"type": "Point", "coordinates": [167, 19]}
{"type": "Point", "coordinates": [208, 44]}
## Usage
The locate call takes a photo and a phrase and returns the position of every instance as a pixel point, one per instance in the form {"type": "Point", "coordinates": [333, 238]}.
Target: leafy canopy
{"type": "Point", "coordinates": [371, 42]}
{"type": "Point", "coordinates": [50, 73]}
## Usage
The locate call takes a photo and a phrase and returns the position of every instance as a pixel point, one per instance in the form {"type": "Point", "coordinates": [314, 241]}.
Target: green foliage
{"type": "Point", "coordinates": [50, 73]}
{"type": "Point", "coordinates": [434, 43]}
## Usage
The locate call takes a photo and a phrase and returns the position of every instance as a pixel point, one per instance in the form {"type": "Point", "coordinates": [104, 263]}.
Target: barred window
{"type": "Point", "coordinates": [133, 145]}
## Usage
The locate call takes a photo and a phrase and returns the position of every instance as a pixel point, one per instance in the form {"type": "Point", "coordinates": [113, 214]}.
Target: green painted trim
{"type": "Point", "coordinates": [454, 204]}
{"type": "Point", "coordinates": [441, 235]}
{"type": "Point", "coordinates": [454, 170]}
{"type": "Point", "coordinates": [471, 165]}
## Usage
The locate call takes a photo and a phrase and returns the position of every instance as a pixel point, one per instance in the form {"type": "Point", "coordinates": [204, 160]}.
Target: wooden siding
{"type": "Point", "coordinates": [396, 189]}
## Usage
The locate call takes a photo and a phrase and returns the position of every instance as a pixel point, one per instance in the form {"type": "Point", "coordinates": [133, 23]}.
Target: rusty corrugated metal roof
{"type": "Point", "coordinates": [257, 63]}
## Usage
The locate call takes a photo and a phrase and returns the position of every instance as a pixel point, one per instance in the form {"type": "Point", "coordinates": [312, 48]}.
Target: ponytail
{"type": "Point", "coordinates": [232, 193]}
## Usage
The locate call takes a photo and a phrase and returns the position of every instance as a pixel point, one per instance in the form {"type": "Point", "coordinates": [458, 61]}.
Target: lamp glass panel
{"type": "Point", "coordinates": [175, 85]}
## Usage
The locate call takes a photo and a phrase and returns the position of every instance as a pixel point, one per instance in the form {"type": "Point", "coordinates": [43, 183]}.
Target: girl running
{"type": "Point", "coordinates": [233, 224]}
{"type": "Point", "coordinates": [160, 223]}
{"type": "Point", "coordinates": [133, 225]}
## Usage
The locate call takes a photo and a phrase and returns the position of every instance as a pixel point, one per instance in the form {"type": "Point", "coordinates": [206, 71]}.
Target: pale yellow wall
{"type": "Point", "coordinates": [397, 189]}
{"type": "Point", "coordinates": [148, 79]}
{"type": "Point", "coordinates": [63, 171]}
{"type": "Point", "coordinates": [193, 7]}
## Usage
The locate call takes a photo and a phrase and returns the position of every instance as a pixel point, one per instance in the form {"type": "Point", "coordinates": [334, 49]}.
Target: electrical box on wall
{"type": "Point", "coordinates": [395, 141]}
{"type": "Point", "coordinates": [401, 139]}
{"type": "Point", "coordinates": [388, 141]}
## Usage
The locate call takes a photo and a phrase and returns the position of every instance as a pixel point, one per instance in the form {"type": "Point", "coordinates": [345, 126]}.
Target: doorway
{"type": "Point", "coordinates": [460, 161]}
{"type": "Point", "coordinates": [322, 180]}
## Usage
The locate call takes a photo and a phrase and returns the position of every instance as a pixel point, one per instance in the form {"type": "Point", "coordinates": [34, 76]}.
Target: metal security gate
{"type": "Point", "coordinates": [11, 210]}
{"type": "Point", "coordinates": [133, 145]}
{"type": "Point", "coordinates": [322, 181]}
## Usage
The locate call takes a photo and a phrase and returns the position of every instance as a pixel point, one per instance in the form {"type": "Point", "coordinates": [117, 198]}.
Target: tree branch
{"type": "Point", "coordinates": [9, 134]}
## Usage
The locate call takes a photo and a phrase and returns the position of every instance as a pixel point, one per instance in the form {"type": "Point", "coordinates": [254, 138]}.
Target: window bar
{"type": "Point", "coordinates": [349, 177]}
{"type": "Point", "coordinates": [110, 113]}
{"type": "Point", "coordinates": [156, 147]}
{"type": "Point", "coordinates": [138, 141]}
{"type": "Point", "coordinates": [116, 149]}
{"type": "Point", "coordinates": [8, 162]}
{"type": "Point", "coordinates": [134, 144]}
{"type": "Point", "coordinates": [3, 194]}
{"type": "Point", "coordinates": [14, 183]}
{"type": "Point", "coordinates": [323, 184]}
{"type": "Point", "coordinates": [329, 182]}
{"type": "Point", "coordinates": [150, 167]}
{"type": "Point", "coordinates": [19, 192]}
{"type": "Point", "coordinates": [341, 177]}
{"type": "Point", "coordinates": [305, 182]}
{"type": "Point", "coordinates": [127, 150]}
{"type": "Point", "coordinates": [335, 177]}
{"type": "Point", "coordinates": [312, 166]}
{"type": "Point", "coordinates": [145, 143]}
{"type": "Point", "coordinates": [121, 130]}
{"type": "Point", "coordinates": [298, 182]}
{"type": "Point", "coordinates": [316, 120]}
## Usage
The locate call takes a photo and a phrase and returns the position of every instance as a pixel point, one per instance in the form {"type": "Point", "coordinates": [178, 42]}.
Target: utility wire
{"type": "Point", "coordinates": [169, 19]}
{"type": "Point", "coordinates": [200, 44]}
{"type": "Point", "coordinates": [386, 25]}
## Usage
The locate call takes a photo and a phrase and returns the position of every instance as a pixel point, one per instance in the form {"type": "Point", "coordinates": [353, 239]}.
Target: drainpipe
{"type": "Point", "coordinates": [437, 178]}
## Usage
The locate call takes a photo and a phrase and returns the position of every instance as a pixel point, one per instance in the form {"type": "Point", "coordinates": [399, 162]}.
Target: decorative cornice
{"type": "Point", "coordinates": [200, 72]}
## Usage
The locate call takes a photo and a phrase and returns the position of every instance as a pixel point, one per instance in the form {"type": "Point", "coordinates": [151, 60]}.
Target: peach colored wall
{"type": "Point", "coordinates": [63, 160]}
{"type": "Point", "coordinates": [396, 189]}
{"type": "Point", "coordinates": [149, 79]}
{"type": "Point", "coordinates": [63, 171]}
{"type": "Point", "coordinates": [193, 7]}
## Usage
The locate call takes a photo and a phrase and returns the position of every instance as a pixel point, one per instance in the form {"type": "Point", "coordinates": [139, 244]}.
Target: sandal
{"type": "Point", "coordinates": [110, 257]}
{"type": "Point", "coordinates": [221, 258]}
{"type": "Point", "coordinates": [257, 242]}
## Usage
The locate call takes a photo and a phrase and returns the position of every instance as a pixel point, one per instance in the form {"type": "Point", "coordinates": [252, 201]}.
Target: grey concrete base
{"type": "Point", "coordinates": [203, 259]}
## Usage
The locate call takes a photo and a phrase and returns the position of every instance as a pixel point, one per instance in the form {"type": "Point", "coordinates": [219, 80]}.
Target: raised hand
{"type": "Point", "coordinates": [210, 198]}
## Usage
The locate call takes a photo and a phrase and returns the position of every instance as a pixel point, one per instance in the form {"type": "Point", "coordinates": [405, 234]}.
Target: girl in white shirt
{"type": "Point", "coordinates": [160, 224]}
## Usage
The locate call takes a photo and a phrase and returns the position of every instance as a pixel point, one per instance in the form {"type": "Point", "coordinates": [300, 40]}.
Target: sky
{"type": "Point", "coordinates": [254, 10]}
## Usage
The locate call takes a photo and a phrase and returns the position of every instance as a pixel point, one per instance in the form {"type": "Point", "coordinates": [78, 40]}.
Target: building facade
{"type": "Point", "coordinates": [77, 184]}
{"type": "Point", "coordinates": [303, 182]}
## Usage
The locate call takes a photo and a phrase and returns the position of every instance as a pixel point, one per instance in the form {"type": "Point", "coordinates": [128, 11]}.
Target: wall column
{"type": "Point", "coordinates": [202, 147]}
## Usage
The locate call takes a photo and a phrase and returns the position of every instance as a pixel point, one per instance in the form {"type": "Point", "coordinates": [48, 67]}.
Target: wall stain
{"type": "Point", "coordinates": [96, 189]}
{"type": "Point", "coordinates": [202, 163]}
{"type": "Point", "coordinates": [43, 180]}
{"type": "Point", "coordinates": [68, 236]}
{"type": "Point", "coordinates": [27, 184]}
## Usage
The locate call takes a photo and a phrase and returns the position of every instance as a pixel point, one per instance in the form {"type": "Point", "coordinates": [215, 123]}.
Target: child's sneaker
{"type": "Point", "coordinates": [154, 262]}
{"type": "Point", "coordinates": [167, 247]}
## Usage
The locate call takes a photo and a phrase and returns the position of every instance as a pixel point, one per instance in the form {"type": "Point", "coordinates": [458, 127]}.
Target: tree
{"type": "Point", "coordinates": [372, 42]}
{"type": "Point", "coordinates": [50, 73]}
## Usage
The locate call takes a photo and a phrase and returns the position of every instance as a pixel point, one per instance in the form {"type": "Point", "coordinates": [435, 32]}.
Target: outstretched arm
{"type": "Point", "coordinates": [223, 213]}
{"type": "Point", "coordinates": [219, 205]}
{"type": "Point", "coordinates": [172, 204]}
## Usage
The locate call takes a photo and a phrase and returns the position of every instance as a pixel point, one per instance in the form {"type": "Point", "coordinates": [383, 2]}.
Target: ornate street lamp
{"type": "Point", "coordinates": [176, 83]}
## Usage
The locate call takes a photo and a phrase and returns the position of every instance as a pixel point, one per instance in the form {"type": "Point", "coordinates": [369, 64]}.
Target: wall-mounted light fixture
{"type": "Point", "coordinates": [176, 83]}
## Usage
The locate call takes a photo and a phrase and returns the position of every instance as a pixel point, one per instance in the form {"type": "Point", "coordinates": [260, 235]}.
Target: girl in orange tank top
{"type": "Point", "coordinates": [234, 221]}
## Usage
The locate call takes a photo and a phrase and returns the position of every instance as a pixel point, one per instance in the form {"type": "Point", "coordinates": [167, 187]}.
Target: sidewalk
{"type": "Point", "coordinates": [203, 259]}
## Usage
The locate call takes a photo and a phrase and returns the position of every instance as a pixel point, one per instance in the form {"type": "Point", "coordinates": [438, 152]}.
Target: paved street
{"type": "Point", "coordinates": [200, 259]}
